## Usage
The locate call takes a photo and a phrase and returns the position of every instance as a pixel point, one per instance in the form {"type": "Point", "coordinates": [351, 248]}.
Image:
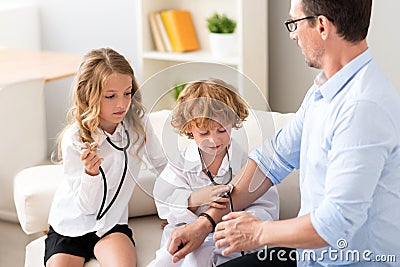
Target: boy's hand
{"type": "Point", "coordinates": [90, 160]}
{"type": "Point", "coordinates": [209, 195]}
{"type": "Point", "coordinates": [187, 238]}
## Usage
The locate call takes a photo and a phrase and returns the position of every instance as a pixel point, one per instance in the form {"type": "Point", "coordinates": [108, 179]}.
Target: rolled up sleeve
{"type": "Point", "coordinates": [270, 163]}
{"type": "Point", "coordinates": [278, 156]}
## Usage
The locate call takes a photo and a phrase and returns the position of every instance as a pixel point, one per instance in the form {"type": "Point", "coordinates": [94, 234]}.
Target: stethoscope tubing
{"type": "Point", "coordinates": [209, 174]}
{"type": "Point", "coordinates": [101, 213]}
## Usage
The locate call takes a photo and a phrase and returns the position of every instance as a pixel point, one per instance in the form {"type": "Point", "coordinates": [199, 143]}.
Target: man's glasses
{"type": "Point", "coordinates": [291, 24]}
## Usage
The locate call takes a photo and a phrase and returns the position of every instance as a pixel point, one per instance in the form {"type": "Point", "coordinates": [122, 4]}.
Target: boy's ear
{"type": "Point", "coordinates": [189, 129]}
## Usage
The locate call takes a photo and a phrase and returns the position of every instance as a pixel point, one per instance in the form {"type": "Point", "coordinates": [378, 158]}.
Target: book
{"type": "Point", "coordinates": [155, 31]}
{"type": "Point", "coordinates": [180, 29]}
{"type": "Point", "coordinates": [164, 35]}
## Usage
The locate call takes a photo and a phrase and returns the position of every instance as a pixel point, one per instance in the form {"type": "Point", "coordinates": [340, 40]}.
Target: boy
{"type": "Point", "coordinates": [201, 175]}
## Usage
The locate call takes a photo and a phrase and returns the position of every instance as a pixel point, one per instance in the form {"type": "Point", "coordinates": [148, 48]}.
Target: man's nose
{"type": "Point", "coordinates": [293, 36]}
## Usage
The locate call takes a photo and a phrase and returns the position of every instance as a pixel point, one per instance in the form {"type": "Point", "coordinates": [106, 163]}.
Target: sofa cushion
{"type": "Point", "coordinates": [34, 189]}
{"type": "Point", "coordinates": [142, 202]}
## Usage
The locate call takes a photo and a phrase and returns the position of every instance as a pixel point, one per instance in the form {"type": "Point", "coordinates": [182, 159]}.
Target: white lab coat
{"type": "Point", "coordinates": [179, 179]}
{"type": "Point", "coordinates": [78, 198]}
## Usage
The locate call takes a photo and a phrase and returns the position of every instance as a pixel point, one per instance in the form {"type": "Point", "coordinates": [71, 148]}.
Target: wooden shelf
{"type": "Point", "coordinates": [201, 56]}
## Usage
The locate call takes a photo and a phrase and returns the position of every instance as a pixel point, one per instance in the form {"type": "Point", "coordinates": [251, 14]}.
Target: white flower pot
{"type": "Point", "coordinates": [223, 44]}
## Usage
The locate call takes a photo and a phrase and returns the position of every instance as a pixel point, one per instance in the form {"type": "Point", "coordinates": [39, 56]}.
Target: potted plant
{"type": "Point", "coordinates": [222, 35]}
{"type": "Point", "coordinates": [178, 88]}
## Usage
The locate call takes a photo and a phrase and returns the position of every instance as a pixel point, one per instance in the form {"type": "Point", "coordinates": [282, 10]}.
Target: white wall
{"type": "Point", "coordinates": [289, 76]}
{"type": "Point", "coordinates": [17, 18]}
{"type": "Point", "coordinates": [384, 39]}
{"type": "Point", "coordinates": [77, 26]}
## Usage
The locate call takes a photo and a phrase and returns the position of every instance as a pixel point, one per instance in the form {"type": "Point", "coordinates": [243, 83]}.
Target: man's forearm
{"type": "Point", "coordinates": [295, 233]}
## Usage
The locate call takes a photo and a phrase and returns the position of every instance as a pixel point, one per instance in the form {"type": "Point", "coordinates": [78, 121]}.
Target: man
{"type": "Point", "coordinates": [345, 139]}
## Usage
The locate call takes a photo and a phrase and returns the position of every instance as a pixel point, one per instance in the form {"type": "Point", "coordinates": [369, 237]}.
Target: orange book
{"type": "Point", "coordinates": [180, 29]}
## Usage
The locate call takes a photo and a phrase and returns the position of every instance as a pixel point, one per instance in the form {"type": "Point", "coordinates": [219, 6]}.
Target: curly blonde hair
{"type": "Point", "coordinates": [200, 102]}
{"type": "Point", "coordinates": [95, 69]}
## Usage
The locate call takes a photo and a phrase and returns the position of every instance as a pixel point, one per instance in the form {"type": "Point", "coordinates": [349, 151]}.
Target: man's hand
{"type": "Point", "coordinates": [187, 238]}
{"type": "Point", "coordinates": [240, 231]}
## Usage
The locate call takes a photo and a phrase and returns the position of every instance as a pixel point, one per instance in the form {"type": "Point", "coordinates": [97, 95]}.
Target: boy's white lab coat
{"type": "Point", "coordinates": [180, 178]}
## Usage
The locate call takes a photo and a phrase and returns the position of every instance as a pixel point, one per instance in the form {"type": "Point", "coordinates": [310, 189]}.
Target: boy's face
{"type": "Point", "coordinates": [214, 140]}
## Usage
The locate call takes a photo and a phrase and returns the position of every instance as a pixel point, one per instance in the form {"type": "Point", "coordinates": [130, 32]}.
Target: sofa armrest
{"type": "Point", "coordinates": [34, 189]}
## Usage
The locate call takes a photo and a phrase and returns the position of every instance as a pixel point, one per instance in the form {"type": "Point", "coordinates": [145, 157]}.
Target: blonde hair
{"type": "Point", "coordinates": [95, 69]}
{"type": "Point", "coordinates": [202, 101]}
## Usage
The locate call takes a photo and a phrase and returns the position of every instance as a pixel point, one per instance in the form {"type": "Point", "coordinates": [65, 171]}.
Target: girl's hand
{"type": "Point", "coordinates": [209, 195]}
{"type": "Point", "coordinates": [90, 160]}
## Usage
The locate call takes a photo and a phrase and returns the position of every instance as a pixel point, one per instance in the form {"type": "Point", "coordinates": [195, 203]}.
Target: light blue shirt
{"type": "Point", "coordinates": [345, 138]}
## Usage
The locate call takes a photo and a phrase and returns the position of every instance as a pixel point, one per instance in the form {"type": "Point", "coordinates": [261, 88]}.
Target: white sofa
{"type": "Point", "coordinates": [34, 188]}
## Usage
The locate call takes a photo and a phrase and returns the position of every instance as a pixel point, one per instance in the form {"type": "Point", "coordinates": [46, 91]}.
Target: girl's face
{"type": "Point", "coordinates": [214, 140]}
{"type": "Point", "coordinates": [115, 102]}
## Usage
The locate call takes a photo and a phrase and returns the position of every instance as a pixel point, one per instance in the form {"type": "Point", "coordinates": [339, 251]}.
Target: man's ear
{"type": "Point", "coordinates": [324, 26]}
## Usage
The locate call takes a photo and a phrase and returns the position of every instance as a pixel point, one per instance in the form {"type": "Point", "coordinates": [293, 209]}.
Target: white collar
{"type": "Point", "coordinates": [118, 134]}
{"type": "Point", "coordinates": [192, 160]}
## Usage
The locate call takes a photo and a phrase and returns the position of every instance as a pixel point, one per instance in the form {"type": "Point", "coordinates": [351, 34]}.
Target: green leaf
{"type": "Point", "coordinates": [220, 23]}
{"type": "Point", "coordinates": [178, 89]}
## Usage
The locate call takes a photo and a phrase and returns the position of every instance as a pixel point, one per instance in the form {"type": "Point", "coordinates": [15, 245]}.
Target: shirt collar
{"type": "Point", "coordinates": [329, 88]}
{"type": "Point", "coordinates": [192, 156]}
{"type": "Point", "coordinates": [117, 135]}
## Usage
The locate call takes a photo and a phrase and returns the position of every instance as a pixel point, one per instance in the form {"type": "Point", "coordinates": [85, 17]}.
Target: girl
{"type": "Point", "coordinates": [101, 150]}
{"type": "Point", "coordinates": [206, 111]}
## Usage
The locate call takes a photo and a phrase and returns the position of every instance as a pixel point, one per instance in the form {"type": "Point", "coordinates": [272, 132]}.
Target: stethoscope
{"type": "Point", "coordinates": [101, 213]}
{"type": "Point", "coordinates": [210, 176]}
{"type": "Point", "coordinates": [225, 194]}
